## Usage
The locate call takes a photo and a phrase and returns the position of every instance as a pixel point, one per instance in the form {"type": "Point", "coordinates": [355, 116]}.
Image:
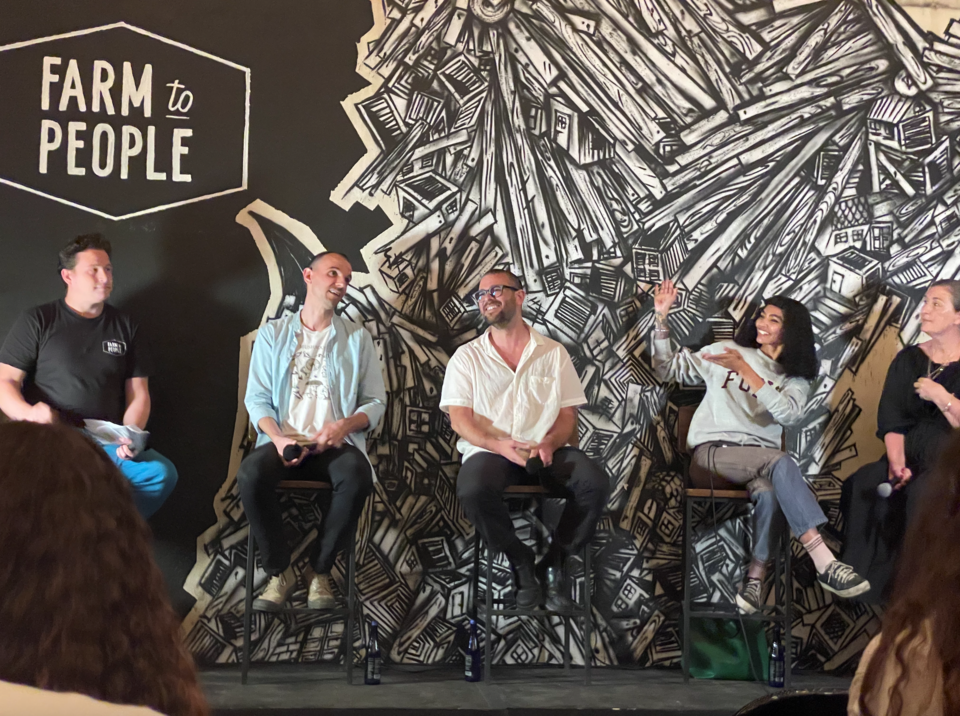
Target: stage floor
{"type": "Point", "coordinates": [309, 689]}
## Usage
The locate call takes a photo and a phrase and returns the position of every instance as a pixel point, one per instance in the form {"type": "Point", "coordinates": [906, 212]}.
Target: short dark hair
{"type": "Point", "coordinates": [84, 242]}
{"type": "Point", "coordinates": [317, 257]}
{"type": "Point", "coordinates": [517, 283]}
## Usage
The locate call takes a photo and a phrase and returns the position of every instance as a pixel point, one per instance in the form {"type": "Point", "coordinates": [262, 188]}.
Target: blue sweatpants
{"type": "Point", "coordinates": [151, 475]}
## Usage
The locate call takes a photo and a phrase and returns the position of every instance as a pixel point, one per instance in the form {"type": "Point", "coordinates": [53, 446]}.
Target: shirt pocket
{"type": "Point", "coordinates": [542, 390]}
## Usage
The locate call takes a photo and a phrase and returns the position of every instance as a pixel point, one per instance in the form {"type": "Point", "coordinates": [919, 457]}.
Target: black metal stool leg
{"type": "Point", "coordinates": [487, 616]}
{"type": "Point", "coordinates": [587, 615]}
{"type": "Point", "coordinates": [787, 610]}
{"type": "Point", "coordinates": [248, 607]}
{"type": "Point", "coordinates": [475, 577]}
{"type": "Point", "coordinates": [351, 605]}
{"type": "Point", "coordinates": [687, 563]}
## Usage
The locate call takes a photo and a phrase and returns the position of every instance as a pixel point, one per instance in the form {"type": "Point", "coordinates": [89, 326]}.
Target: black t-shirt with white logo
{"type": "Point", "coordinates": [74, 364]}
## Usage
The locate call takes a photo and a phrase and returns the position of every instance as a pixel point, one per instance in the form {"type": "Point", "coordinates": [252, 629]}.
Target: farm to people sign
{"type": "Point", "coordinates": [120, 122]}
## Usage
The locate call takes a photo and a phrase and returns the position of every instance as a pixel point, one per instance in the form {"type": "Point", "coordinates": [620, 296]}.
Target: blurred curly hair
{"type": "Point", "coordinates": [925, 604]}
{"type": "Point", "coordinates": [83, 606]}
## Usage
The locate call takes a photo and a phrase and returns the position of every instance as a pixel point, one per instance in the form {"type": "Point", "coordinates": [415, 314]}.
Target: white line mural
{"type": "Point", "coordinates": [742, 148]}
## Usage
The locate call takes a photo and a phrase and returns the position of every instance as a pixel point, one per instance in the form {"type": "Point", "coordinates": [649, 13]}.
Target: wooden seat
{"type": "Point", "coordinates": [526, 490]}
{"type": "Point", "coordinates": [348, 611]}
{"type": "Point", "coordinates": [304, 485]}
{"type": "Point", "coordinates": [724, 494]}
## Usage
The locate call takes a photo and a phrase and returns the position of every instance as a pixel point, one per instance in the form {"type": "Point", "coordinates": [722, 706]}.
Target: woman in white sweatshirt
{"type": "Point", "coordinates": [755, 385]}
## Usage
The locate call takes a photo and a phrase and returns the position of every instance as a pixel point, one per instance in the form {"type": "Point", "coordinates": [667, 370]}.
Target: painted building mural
{"type": "Point", "coordinates": [743, 149]}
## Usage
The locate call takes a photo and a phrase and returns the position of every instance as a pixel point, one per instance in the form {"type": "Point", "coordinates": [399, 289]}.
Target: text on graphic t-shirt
{"type": "Point", "coordinates": [310, 406]}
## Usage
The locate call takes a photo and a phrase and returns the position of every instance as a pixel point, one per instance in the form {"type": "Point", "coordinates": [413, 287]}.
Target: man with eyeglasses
{"type": "Point", "coordinates": [512, 396]}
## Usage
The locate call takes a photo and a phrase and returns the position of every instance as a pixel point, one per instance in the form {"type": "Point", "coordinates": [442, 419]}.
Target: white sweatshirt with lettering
{"type": "Point", "coordinates": [730, 411]}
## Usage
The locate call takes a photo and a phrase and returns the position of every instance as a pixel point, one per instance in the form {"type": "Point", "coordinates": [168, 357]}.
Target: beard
{"type": "Point", "coordinates": [501, 317]}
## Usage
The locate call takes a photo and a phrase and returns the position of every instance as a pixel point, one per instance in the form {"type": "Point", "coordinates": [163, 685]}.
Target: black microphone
{"type": "Point", "coordinates": [534, 465]}
{"type": "Point", "coordinates": [293, 451]}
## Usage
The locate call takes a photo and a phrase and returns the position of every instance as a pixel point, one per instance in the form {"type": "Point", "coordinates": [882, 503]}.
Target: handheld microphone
{"type": "Point", "coordinates": [534, 465]}
{"type": "Point", "coordinates": [886, 488]}
{"type": "Point", "coordinates": [293, 451]}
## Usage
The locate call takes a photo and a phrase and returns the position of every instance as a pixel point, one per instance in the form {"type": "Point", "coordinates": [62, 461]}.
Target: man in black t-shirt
{"type": "Point", "coordinates": [78, 358]}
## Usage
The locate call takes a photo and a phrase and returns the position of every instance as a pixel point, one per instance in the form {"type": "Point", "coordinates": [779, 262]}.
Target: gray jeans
{"type": "Point", "coordinates": [776, 486]}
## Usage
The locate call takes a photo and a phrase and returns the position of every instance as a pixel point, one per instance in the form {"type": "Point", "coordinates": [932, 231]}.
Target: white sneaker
{"type": "Point", "coordinates": [277, 591]}
{"type": "Point", "coordinates": [320, 592]}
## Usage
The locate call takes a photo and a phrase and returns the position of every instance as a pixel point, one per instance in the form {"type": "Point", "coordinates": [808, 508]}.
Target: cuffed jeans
{"type": "Point", "coordinates": [152, 477]}
{"type": "Point", "coordinates": [572, 476]}
{"type": "Point", "coordinates": [776, 486]}
{"type": "Point", "coordinates": [345, 468]}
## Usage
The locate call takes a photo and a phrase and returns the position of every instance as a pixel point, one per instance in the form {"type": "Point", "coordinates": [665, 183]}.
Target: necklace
{"type": "Point", "coordinates": [933, 373]}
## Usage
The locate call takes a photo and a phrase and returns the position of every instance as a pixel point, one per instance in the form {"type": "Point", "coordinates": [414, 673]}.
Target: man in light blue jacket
{"type": "Point", "coordinates": [314, 390]}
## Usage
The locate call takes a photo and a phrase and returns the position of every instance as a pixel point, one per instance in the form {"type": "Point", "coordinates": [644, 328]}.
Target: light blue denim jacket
{"type": "Point", "coordinates": [352, 366]}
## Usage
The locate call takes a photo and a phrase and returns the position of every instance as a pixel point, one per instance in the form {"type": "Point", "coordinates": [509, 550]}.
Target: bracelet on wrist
{"type": "Point", "coordinates": [946, 408]}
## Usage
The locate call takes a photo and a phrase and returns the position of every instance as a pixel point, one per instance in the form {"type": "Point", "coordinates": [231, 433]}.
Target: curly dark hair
{"type": "Point", "coordinates": [83, 605]}
{"type": "Point", "coordinates": [799, 354]}
{"type": "Point", "coordinates": [926, 590]}
{"type": "Point", "coordinates": [67, 258]}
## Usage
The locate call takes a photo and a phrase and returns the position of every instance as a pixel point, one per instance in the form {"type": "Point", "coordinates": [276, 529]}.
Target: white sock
{"type": "Point", "coordinates": [820, 554]}
{"type": "Point", "coordinates": [757, 570]}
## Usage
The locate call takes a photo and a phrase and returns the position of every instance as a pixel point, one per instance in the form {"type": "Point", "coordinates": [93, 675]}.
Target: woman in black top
{"type": "Point", "coordinates": [918, 408]}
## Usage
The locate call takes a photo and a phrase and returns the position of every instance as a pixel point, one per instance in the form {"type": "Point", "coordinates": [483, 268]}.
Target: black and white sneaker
{"type": "Point", "coordinates": [840, 579]}
{"type": "Point", "coordinates": [748, 596]}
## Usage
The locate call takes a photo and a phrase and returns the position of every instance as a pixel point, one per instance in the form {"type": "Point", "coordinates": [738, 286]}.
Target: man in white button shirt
{"type": "Point", "coordinates": [314, 390]}
{"type": "Point", "coordinates": [512, 395]}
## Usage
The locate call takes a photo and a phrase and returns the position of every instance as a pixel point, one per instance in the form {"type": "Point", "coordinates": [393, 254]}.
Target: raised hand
{"type": "Point", "coordinates": [664, 296]}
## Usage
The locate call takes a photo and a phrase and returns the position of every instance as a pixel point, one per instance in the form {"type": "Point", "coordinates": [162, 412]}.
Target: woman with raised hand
{"type": "Point", "coordinates": [918, 409]}
{"type": "Point", "coordinates": [756, 384]}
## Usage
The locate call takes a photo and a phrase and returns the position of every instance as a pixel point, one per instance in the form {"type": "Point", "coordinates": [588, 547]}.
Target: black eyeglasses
{"type": "Point", "coordinates": [493, 292]}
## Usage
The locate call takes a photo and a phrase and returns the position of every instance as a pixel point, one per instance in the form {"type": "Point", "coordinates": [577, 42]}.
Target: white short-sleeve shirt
{"type": "Point", "coordinates": [521, 405]}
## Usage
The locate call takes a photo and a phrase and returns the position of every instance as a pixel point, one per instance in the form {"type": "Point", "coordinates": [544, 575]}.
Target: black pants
{"type": "Point", "coordinates": [345, 468]}
{"type": "Point", "coordinates": [874, 527]}
{"type": "Point", "coordinates": [573, 476]}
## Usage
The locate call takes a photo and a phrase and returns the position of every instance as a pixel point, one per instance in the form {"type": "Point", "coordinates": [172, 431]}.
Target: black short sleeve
{"type": "Point", "coordinates": [77, 365]}
{"type": "Point", "coordinates": [22, 344]}
{"type": "Point", "coordinates": [898, 401]}
{"type": "Point", "coordinates": [140, 358]}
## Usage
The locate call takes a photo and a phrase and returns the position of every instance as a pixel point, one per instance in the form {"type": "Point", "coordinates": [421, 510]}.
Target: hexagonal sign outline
{"type": "Point", "coordinates": [133, 28]}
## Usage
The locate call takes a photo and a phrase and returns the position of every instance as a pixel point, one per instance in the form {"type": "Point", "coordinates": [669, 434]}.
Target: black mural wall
{"type": "Point", "coordinates": [596, 146]}
{"type": "Point", "coordinates": [191, 273]}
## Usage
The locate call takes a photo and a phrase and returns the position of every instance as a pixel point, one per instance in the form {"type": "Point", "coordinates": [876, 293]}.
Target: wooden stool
{"type": "Point", "coordinates": [347, 611]}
